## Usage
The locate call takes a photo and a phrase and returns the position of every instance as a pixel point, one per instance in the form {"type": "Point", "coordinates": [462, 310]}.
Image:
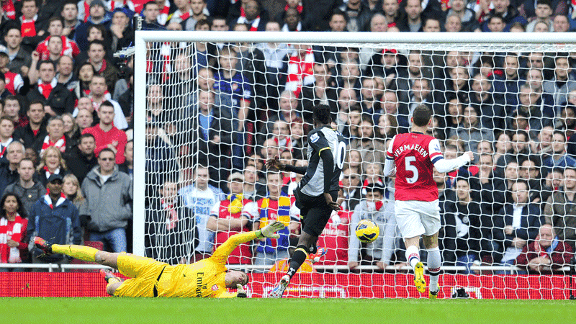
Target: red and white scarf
{"type": "Point", "coordinates": [4, 146]}
{"type": "Point", "coordinates": [49, 173]}
{"type": "Point", "coordinates": [242, 20]}
{"type": "Point", "coordinates": [9, 10]}
{"type": "Point", "coordinates": [28, 26]}
{"type": "Point", "coordinates": [10, 231]}
{"type": "Point", "coordinates": [69, 48]}
{"type": "Point", "coordinates": [48, 200]}
{"type": "Point", "coordinates": [165, 51]}
{"type": "Point", "coordinates": [300, 72]}
{"type": "Point", "coordinates": [163, 16]}
{"type": "Point", "coordinates": [46, 88]}
{"type": "Point", "coordinates": [60, 144]}
{"type": "Point", "coordinates": [172, 214]}
{"type": "Point", "coordinates": [111, 4]}
{"type": "Point", "coordinates": [299, 7]}
{"type": "Point", "coordinates": [285, 144]}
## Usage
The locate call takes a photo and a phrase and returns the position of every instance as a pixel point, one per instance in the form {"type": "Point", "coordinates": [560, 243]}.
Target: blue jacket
{"type": "Point", "coordinates": [60, 225]}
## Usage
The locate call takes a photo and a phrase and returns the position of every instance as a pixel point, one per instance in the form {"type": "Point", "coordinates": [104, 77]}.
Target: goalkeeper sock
{"type": "Point", "coordinates": [299, 256]}
{"type": "Point", "coordinates": [412, 256]}
{"type": "Point", "coordinates": [80, 252]}
{"type": "Point", "coordinates": [434, 263]}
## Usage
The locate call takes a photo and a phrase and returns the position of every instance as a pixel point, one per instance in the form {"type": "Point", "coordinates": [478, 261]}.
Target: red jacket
{"type": "Point", "coordinates": [561, 255]}
{"type": "Point", "coordinates": [105, 138]}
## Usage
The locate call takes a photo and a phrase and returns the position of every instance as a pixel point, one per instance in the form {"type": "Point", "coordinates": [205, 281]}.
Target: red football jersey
{"type": "Point", "coordinates": [414, 155]}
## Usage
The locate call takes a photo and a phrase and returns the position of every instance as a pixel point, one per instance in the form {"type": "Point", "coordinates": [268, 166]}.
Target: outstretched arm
{"type": "Point", "coordinates": [275, 164]}
{"type": "Point", "coordinates": [223, 251]}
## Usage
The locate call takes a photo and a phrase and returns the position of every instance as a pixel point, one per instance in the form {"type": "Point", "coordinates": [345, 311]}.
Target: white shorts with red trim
{"type": "Point", "coordinates": [417, 218]}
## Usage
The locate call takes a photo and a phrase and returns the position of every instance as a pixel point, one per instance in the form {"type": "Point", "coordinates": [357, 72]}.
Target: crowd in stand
{"type": "Point", "coordinates": [217, 111]}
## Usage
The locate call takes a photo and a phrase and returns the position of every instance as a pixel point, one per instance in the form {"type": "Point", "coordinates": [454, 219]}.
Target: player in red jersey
{"type": "Point", "coordinates": [417, 212]}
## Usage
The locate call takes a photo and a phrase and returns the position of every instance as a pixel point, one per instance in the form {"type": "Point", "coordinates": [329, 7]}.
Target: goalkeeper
{"type": "Point", "coordinates": [151, 278]}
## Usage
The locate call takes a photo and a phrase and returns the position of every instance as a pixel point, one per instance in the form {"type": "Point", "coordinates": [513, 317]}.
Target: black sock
{"type": "Point", "coordinates": [298, 258]}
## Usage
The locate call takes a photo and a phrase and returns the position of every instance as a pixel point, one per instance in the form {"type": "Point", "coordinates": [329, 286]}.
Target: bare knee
{"type": "Point", "coordinates": [107, 259]}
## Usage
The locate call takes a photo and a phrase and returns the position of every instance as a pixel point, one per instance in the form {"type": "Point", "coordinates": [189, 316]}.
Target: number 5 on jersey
{"type": "Point", "coordinates": [409, 167]}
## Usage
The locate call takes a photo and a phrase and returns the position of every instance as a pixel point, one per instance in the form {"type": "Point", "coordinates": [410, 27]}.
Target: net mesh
{"type": "Point", "coordinates": [217, 111]}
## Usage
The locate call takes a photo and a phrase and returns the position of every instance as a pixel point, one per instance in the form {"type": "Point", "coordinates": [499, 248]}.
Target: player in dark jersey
{"type": "Point", "coordinates": [415, 155]}
{"type": "Point", "coordinates": [317, 191]}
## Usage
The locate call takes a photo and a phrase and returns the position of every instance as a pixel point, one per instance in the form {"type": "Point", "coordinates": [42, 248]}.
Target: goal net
{"type": "Point", "coordinates": [214, 106]}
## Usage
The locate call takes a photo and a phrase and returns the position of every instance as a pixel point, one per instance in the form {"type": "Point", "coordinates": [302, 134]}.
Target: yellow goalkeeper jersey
{"type": "Point", "coordinates": [204, 278]}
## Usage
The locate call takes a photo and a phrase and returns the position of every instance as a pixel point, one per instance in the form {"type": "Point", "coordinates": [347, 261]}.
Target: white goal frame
{"type": "Point", "coordinates": [494, 41]}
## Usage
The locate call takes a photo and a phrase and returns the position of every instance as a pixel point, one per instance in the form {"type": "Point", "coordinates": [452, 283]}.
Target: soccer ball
{"type": "Point", "coordinates": [367, 231]}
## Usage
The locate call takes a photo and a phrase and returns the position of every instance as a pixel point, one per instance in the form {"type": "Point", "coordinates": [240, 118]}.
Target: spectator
{"type": "Point", "coordinates": [467, 17]}
{"type": "Point", "coordinates": [9, 166]}
{"type": "Point", "coordinates": [508, 12]}
{"type": "Point", "coordinates": [543, 12]}
{"type": "Point", "coordinates": [561, 24]}
{"type": "Point", "coordinates": [462, 224]}
{"type": "Point", "coordinates": [25, 187]}
{"type": "Point", "coordinates": [81, 158]}
{"type": "Point", "coordinates": [31, 27]}
{"type": "Point", "coordinates": [381, 212]}
{"type": "Point", "coordinates": [71, 128]}
{"type": "Point", "coordinates": [530, 172]}
{"type": "Point", "coordinates": [471, 131]}
{"type": "Point", "coordinates": [559, 156]}
{"type": "Point", "coordinates": [66, 46]}
{"type": "Point", "coordinates": [97, 16]}
{"type": "Point", "coordinates": [231, 216]}
{"type": "Point", "coordinates": [128, 165]}
{"type": "Point", "coordinates": [520, 149]}
{"type": "Point", "coordinates": [69, 15]}
{"type": "Point", "coordinates": [19, 57]}
{"type": "Point", "coordinates": [6, 134]}
{"type": "Point", "coordinates": [253, 188]}
{"type": "Point", "coordinates": [106, 134]}
{"type": "Point", "coordinates": [108, 194]}
{"type": "Point", "coordinates": [99, 94]}
{"type": "Point", "coordinates": [546, 254]}
{"type": "Point", "coordinates": [51, 163]}
{"type": "Point", "coordinates": [55, 96]}
{"type": "Point", "coordinates": [122, 34]}
{"type": "Point", "coordinates": [317, 14]}
{"type": "Point", "coordinates": [171, 234]}
{"type": "Point", "coordinates": [414, 19]}
{"type": "Point", "coordinates": [482, 99]}
{"type": "Point", "coordinates": [274, 207]}
{"type": "Point", "coordinates": [559, 211]}
{"type": "Point", "coordinates": [200, 197]}
{"type": "Point", "coordinates": [198, 12]}
{"type": "Point", "coordinates": [54, 138]}
{"type": "Point", "coordinates": [352, 190]}
{"type": "Point", "coordinates": [563, 81]}
{"type": "Point", "coordinates": [491, 189]}
{"type": "Point", "coordinates": [103, 67]}
{"type": "Point", "coordinates": [12, 110]}
{"type": "Point", "coordinates": [13, 226]}
{"type": "Point", "coordinates": [515, 225]}
{"type": "Point", "coordinates": [214, 133]}
{"type": "Point", "coordinates": [56, 217]}
{"type": "Point", "coordinates": [371, 149]}
{"type": "Point", "coordinates": [71, 189]}
{"type": "Point", "coordinates": [153, 19]}
{"type": "Point", "coordinates": [543, 144]}
{"type": "Point", "coordinates": [84, 118]}
{"type": "Point", "coordinates": [453, 23]}
{"type": "Point", "coordinates": [506, 87]}
{"type": "Point", "coordinates": [65, 76]}
{"type": "Point", "coordinates": [322, 90]}
{"type": "Point", "coordinates": [161, 164]}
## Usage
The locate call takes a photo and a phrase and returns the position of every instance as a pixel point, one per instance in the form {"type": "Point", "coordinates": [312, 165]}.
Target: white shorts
{"type": "Point", "coordinates": [417, 218]}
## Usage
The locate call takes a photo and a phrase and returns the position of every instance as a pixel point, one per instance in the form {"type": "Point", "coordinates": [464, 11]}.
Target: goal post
{"type": "Point", "coordinates": [153, 57]}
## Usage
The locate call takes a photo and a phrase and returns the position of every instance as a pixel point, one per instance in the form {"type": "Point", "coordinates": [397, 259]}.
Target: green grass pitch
{"type": "Point", "coordinates": [339, 311]}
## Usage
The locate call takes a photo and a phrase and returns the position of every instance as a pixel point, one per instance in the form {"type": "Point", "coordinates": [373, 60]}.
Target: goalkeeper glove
{"type": "Point", "coordinates": [241, 292]}
{"type": "Point", "coordinates": [270, 230]}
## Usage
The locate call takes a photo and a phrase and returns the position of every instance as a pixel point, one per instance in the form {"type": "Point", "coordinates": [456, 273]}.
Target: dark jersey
{"type": "Point", "coordinates": [320, 139]}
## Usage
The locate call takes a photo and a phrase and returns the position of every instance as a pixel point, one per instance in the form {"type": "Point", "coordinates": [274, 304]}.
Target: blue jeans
{"type": "Point", "coordinates": [114, 240]}
{"type": "Point", "coordinates": [466, 261]}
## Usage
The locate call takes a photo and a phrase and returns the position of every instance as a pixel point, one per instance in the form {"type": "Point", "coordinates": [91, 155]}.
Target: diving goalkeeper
{"type": "Point", "coordinates": [151, 278]}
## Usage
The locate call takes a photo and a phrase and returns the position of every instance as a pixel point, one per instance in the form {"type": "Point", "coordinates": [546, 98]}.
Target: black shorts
{"type": "Point", "coordinates": [314, 211]}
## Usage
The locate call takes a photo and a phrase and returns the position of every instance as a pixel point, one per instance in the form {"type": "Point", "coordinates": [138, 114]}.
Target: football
{"type": "Point", "coordinates": [367, 231]}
